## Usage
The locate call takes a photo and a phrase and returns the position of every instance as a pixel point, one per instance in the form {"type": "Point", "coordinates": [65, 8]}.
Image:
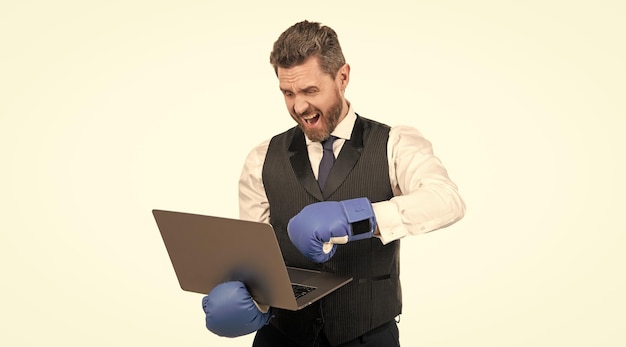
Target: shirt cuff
{"type": "Point", "coordinates": [388, 221]}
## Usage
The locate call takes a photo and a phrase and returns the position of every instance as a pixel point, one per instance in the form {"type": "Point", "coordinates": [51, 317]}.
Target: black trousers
{"type": "Point", "coordinates": [386, 335]}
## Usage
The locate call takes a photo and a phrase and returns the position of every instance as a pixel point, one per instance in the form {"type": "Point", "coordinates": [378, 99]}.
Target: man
{"type": "Point", "coordinates": [385, 184]}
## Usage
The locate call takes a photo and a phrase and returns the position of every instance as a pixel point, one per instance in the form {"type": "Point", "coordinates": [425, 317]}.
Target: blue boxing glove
{"type": "Point", "coordinates": [231, 311]}
{"type": "Point", "coordinates": [319, 227]}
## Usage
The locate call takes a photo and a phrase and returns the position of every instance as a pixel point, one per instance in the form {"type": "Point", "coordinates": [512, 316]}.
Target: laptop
{"type": "Point", "coordinates": [207, 250]}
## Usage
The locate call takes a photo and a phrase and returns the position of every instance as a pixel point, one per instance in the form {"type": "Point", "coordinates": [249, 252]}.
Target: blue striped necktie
{"type": "Point", "coordinates": [328, 159]}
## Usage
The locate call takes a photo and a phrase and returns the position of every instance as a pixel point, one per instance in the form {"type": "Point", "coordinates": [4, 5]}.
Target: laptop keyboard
{"type": "Point", "coordinates": [300, 290]}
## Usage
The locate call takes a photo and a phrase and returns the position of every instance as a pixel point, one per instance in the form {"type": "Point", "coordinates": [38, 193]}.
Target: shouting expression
{"type": "Point", "coordinates": [314, 98]}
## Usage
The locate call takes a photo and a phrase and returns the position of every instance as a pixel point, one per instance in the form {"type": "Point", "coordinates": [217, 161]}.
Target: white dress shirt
{"type": "Point", "coordinates": [425, 199]}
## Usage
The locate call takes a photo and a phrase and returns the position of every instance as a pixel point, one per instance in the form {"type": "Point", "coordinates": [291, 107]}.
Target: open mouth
{"type": "Point", "coordinates": [312, 118]}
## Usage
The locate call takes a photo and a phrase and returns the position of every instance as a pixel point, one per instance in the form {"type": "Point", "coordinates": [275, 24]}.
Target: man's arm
{"type": "Point", "coordinates": [253, 203]}
{"type": "Point", "coordinates": [425, 197]}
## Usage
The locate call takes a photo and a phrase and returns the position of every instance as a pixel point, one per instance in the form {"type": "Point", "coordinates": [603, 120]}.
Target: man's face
{"type": "Point", "coordinates": [314, 98]}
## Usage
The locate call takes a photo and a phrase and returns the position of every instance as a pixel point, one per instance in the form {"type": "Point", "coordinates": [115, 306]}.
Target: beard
{"type": "Point", "coordinates": [329, 120]}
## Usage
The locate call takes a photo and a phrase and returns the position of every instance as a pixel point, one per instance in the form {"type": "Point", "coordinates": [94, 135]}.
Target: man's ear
{"type": "Point", "coordinates": [343, 77]}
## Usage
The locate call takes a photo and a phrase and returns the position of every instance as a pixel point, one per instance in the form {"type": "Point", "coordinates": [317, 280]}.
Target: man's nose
{"type": "Point", "coordinates": [300, 106]}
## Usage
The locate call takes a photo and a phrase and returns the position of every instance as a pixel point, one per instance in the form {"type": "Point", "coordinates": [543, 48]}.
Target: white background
{"type": "Point", "coordinates": [109, 109]}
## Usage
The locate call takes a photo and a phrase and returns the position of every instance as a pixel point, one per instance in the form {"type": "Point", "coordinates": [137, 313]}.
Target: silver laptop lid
{"type": "Point", "coordinates": [206, 251]}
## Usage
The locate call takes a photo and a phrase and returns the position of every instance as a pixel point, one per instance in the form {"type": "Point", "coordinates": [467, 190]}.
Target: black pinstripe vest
{"type": "Point", "coordinates": [361, 170]}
